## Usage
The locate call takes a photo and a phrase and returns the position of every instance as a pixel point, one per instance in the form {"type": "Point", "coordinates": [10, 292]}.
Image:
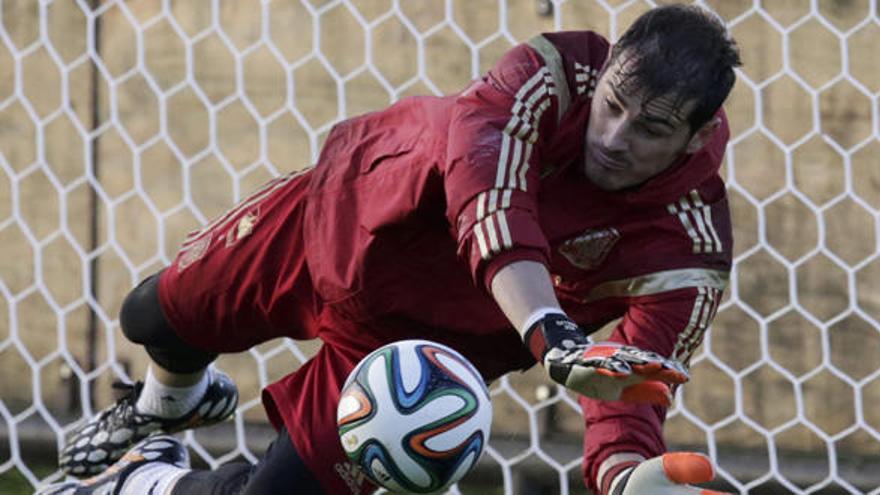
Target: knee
{"type": "Point", "coordinates": [141, 316]}
{"type": "Point", "coordinates": [144, 323]}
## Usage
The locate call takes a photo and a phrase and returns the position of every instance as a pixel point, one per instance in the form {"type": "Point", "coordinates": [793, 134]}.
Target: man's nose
{"type": "Point", "coordinates": [616, 137]}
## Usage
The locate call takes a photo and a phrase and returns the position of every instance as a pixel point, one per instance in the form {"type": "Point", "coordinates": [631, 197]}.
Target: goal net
{"type": "Point", "coordinates": [126, 124]}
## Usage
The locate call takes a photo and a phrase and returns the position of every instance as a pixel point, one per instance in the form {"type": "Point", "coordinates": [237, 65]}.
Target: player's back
{"type": "Point", "coordinates": [376, 209]}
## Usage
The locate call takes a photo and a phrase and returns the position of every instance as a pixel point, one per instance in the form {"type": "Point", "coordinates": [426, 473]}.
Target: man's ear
{"type": "Point", "coordinates": [703, 135]}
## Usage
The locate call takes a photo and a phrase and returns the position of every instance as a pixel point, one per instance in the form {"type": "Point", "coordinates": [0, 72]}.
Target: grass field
{"type": "Point", "coordinates": [13, 482]}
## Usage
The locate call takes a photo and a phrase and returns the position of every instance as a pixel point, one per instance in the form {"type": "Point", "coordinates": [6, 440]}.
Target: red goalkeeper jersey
{"type": "Point", "coordinates": [398, 230]}
{"type": "Point", "coordinates": [413, 209]}
{"type": "Point", "coordinates": [400, 227]}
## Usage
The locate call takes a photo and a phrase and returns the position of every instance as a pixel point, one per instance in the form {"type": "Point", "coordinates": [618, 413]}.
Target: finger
{"type": "Point", "coordinates": [612, 374]}
{"type": "Point", "coordinates": [611, 366]}
{"type": "Point", "coordinates": [647, 368]}
{"type": "Point", "coordinates": [650, 392]}
{"type": "Point", "coordinates": [688, 468]}
{"type": "Point", "coordinates": [655, 371]}
{"type": "Point", "coordinates": [652, 361]}
{"type": "Point", "coordinates": [670, 376]}
{"type": "Point", "coordinates": [602, 350]}
{"type": "Point", "coordinates": [649, 361]}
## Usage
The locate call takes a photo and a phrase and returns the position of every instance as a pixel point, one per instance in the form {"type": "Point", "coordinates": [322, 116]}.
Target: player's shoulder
{"type": "Point", "coordinates": [574, 58]}
{"type": "Point", "coordinates": [563, 51]}
{"type": "Point", "coordinates": [577, 45]}
{"type": "Point", "coordinates": [573, 50]}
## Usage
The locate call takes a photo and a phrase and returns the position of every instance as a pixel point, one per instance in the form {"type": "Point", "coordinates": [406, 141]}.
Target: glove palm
{"type": "Point", "coordinates": [606, 370]}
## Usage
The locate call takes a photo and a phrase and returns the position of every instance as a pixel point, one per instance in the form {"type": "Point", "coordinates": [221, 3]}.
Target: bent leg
{"type": "Point", "coordinates": [240, 281]}
{"type": "Point", "coordinates": [243, 279]}
{"type": "Point", "coordinates": [144, 323]}
{"type": "Point", "coordinates": [176, 380]}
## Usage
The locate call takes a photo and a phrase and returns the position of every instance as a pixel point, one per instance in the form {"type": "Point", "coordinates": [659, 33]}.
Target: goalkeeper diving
{"type": "Point", "coordinates": [573, 185]}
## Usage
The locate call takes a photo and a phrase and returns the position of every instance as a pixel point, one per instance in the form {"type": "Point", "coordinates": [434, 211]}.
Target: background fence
{"type": "Point", "coordinates": [125, 124]}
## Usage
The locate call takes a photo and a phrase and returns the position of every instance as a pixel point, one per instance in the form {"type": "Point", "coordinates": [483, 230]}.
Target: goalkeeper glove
{"type": "Point", "coordinates": [606, 370]}
{"type": "Point", "coordinates": [668, 474]}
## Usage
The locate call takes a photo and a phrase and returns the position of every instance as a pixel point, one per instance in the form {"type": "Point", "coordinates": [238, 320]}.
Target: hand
{"type": "Point", "coordinates": [606, 371]}
{"type": "Point", "coordinates": [671, 474]}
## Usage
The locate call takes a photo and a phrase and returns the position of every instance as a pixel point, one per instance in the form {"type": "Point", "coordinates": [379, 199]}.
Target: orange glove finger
{"type": "Point", "coordinates": [647, 368]}
{"type": "Point", "coordinates": [655, 371]}
{"type": "Point", "coordinates": [612, 373]}
{"type": "Point", "coordinates": [686, 468]}
{"type": "Point", "coordinates": [651, 392]}
{"type": "Point", "coordinates": [600, 350]}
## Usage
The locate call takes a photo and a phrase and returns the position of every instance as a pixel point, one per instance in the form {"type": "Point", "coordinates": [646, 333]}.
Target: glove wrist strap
{"type": "Point", "coordinates": [552, 331]}
{"type": "Point", "coordinates": [538, 315]}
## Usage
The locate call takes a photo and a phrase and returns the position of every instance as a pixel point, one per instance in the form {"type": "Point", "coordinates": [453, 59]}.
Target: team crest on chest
{"type": "Point", "coordinates": [589, 250]}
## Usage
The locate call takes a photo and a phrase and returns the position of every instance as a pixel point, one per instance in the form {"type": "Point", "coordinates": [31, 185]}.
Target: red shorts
{"type": "Point", "coordinates": [243, 280]}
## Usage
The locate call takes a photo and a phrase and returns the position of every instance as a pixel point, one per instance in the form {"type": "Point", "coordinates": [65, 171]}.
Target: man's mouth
{"type": "Point", "coordinates": [606, 161]}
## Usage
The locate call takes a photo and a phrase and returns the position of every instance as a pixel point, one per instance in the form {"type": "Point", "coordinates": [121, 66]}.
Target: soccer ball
{"type": "Point", "coordinates": [414, 415]}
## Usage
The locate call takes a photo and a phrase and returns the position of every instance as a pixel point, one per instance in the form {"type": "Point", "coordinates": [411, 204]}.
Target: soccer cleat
{"type": "Point", "coordinates": [103, 440]}
{"type": "Point", "coordinates": [125, 476]}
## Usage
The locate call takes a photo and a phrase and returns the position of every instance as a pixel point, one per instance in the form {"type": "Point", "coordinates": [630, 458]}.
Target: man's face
{"type": "Point", "coordinates": [629, 140]}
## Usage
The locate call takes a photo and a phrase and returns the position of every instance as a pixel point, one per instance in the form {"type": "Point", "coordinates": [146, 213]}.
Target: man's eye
{"type": "Point", "coordinates": [651, 131]}
{"type": "Point", "coordinates": [612, 105]}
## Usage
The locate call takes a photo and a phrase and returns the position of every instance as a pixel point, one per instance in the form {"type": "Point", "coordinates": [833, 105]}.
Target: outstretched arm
{"type": "Point", "coordinates": [524, 292]}
{"type": "Point", "coordinates": [605, 371]}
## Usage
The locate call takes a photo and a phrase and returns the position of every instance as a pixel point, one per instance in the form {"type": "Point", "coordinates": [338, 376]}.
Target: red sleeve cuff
{"type": "Point", "coordinates": [507, 257]}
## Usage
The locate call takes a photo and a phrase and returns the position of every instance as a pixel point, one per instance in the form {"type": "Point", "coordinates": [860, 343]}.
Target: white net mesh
{"type": "Point", "coordinates": [127, 123]}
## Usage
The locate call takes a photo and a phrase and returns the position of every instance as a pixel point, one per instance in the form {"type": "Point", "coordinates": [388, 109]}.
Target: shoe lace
{"type": "Point", "coordinates": [123, 410]}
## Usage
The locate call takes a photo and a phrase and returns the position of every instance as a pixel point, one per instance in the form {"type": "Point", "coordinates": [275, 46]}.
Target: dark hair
{"type": "Point", "coordinates": [683, 50]}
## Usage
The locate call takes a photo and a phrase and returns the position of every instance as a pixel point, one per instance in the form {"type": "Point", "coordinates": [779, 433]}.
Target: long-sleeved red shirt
{"type": "Point", "coordinates": [413, 209]}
